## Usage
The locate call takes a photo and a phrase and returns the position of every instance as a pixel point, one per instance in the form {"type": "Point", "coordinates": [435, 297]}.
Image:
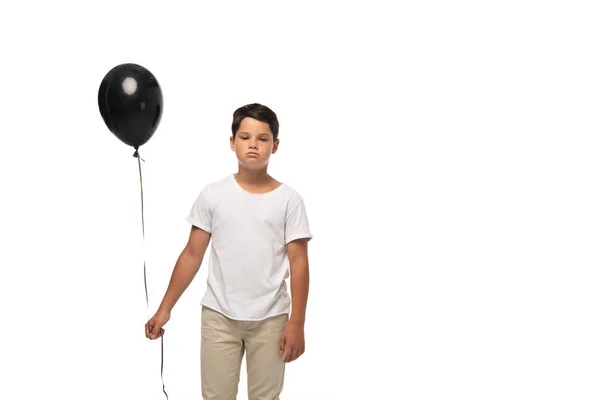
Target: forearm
{"type": "Point", "coordinates": [185, 270]}
{"type": "Point", "coordinates": [299, 282]}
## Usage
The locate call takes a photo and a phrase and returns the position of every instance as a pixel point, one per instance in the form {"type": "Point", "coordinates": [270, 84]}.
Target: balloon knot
{"type": "Point", "coordinates": [137, 155]}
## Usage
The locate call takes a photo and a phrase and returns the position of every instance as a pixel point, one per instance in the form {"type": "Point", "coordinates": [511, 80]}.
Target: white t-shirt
{"type": "Point", "coordinates": [248, 261]}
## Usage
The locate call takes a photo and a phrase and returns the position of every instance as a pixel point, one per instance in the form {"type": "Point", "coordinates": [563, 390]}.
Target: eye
{"type": "Point", "coordinates": [264, 139]}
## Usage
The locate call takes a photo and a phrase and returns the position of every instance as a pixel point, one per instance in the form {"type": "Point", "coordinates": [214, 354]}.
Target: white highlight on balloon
{"type": "Point", "coordinates": [129, 85]}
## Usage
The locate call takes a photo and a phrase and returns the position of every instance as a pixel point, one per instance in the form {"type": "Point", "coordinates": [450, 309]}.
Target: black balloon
{"type": "Point", "coordinates": [131, 103]}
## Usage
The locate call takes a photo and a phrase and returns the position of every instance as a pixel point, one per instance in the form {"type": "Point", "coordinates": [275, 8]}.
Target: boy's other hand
{"type": "Point", "coordinates": [154, 327]}
{"type": "Point", "coordinates": [291, 344]}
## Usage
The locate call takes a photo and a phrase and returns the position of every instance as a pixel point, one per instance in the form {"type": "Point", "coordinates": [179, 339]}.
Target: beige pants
{"type": "Point", "coordinates": [224, 342]}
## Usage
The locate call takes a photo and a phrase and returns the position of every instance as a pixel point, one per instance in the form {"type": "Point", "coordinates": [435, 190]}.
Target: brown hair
{"type": "Point", "coordinates": [259, 112]}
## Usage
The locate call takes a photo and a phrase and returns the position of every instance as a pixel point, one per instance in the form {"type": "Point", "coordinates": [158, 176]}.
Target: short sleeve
{"type": "Point", "coordinates": [201, 214]}
{"type": "Point", "coordinates": [296, 224]}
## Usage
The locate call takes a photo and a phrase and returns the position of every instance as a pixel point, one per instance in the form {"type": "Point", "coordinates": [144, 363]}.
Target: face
{"type": "Point", "coordinates": [253, 143]}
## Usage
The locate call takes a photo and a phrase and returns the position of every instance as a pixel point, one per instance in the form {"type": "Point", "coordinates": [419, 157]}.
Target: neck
{"type": "Point", "coordinates": [252, 177]}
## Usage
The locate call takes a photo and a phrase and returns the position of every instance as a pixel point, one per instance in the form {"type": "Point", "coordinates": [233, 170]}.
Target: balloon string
{"type": "Point", "coordinates": [137, 155]}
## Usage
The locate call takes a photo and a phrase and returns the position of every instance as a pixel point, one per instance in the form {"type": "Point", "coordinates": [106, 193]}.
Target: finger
{"type": "Point", "coordinates": [288, 353]}
{"type": "Point", "coordinates": [293, 355]}
{"type": "Point", "coordinates": [296, 354]}
{"type": "Point", "coordinates": [156, 332]}
{"type": "Point", "coordinates": [281, 344]}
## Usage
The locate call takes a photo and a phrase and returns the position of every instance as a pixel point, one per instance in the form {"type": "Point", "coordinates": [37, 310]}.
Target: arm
{"type": "Point", "coordinates": [299, 279]}
{"type": "Point", "coordinates": [186, 267]}
{"type": "Point", "coordinates": [291, 343]}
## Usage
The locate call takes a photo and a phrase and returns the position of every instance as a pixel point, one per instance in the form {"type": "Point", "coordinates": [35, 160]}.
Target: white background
{"type": "Point", "coordinates": [447, 152]}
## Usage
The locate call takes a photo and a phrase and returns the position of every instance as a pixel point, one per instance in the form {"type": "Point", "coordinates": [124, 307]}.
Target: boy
{"type": "Point", "coordinates": [258, 227]}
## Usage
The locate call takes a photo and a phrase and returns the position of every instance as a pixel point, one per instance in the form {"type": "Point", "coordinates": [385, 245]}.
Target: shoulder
{"type": "Point", "coordinates": [289, 191]}
{"type": "Point", "coordinates": [216, 185]}
{"type": "Point", "coordinates": [293, 197]}
{"type": "Point", "coordinates": [219, 182]}
{"type": "Point", "coordinates": [213, 190]}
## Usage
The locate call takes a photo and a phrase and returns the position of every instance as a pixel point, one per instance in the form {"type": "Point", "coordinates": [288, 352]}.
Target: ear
{"type": "Point", "coordinates": [232, 143]}
{"type": "Point", "coordinates": [275, 146]}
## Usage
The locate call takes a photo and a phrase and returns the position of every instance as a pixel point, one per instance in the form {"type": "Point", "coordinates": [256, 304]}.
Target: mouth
{"type": "Point", "coordinates": [252, 154]}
